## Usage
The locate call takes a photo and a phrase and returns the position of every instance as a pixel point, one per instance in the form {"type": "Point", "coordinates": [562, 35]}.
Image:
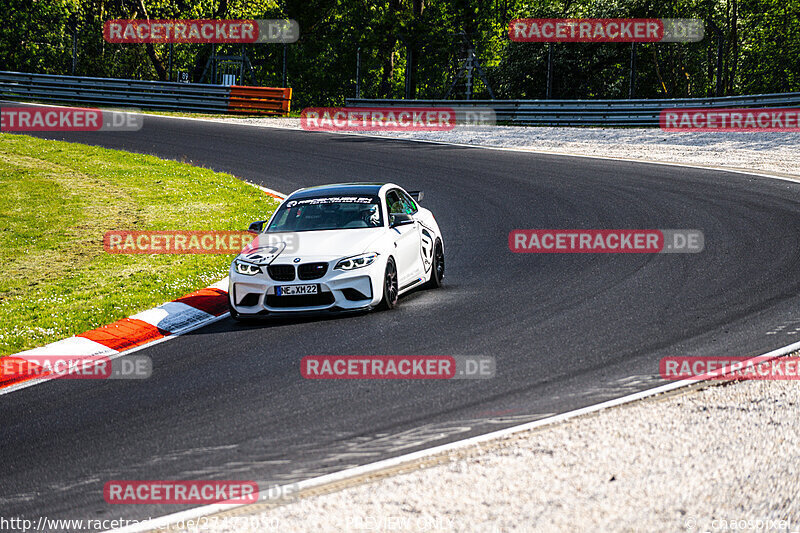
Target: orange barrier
{"type": "Point", "coordinates": [259, 100]}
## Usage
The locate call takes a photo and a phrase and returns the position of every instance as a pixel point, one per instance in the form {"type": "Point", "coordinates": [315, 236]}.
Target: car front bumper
{"type": "Point", "coordinates": [338, 290]}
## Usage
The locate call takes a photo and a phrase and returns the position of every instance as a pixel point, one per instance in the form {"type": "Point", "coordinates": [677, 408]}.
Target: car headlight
{"type": "Point", "coordinates": [248, 269]}
{"type": "Point", "coordinates": [356, 261]}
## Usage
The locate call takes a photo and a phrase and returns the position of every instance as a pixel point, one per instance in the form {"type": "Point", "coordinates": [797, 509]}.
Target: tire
{"type": "Point", "coordinates": [234, 313]}
{"type": "Point", "coordinates": [390, 287]}
{"type": "Point", "coordinates": [437, 268]}
{"type": "Point", "coordinates": [238, 317]}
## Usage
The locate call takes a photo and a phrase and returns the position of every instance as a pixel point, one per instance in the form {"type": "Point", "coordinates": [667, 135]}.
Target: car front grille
{"type": "Point", "coordinates": [312, 270]}
{"type": "Point", "coordinates": [300, 300]}
{"type": "Point", "coordinates": [281, 272]}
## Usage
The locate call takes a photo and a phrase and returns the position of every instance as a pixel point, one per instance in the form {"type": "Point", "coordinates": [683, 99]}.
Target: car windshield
{"type": "Point", "coordinates": [327, 212]}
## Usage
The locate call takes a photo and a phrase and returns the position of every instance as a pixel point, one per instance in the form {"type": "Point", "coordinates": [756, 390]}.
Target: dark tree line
{"type": "Point", "coordinates": [419, 47]}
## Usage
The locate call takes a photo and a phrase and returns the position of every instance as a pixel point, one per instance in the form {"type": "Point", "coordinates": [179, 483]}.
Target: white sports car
{"type": "Point", "coordinates": [341, 247]}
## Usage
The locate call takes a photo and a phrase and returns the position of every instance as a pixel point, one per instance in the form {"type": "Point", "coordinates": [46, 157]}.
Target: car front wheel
{"type": "Point", "coordinates": [244, 319]}
{"type": "Point", "coordinates": [390, 289]}
{"type": "Point", "coordinates": [437, 268]}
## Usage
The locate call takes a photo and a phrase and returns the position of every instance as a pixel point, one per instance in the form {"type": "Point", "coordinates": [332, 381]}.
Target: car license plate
{"type": "Point", "coordinates": [295, 290]}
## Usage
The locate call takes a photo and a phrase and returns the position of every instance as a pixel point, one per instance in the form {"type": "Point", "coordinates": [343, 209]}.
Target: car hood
{"type": "Point", "coordinates": [324, 245]}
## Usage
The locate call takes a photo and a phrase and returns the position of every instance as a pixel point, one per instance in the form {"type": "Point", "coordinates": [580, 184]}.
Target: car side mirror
{"type": "Point", "coordinates": [257, 227]}
{"type": "Point", "coordinates": [400, 219]}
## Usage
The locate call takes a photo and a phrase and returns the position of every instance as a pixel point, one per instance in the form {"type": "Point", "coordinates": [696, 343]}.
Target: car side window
{"type": "Point", "coordinates": [409, 204]}
{"type": "Point", "coordinates": [394, 203]}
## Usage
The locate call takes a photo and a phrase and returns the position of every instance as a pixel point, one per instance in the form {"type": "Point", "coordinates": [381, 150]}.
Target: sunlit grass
{"type": "Point", "coordinates": [58, 199]}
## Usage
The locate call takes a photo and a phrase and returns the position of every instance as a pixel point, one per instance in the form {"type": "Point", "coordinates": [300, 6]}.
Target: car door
{"type": "Point", "coordinates": [407, 241]}
{"type": "Point", "coordinates": [426, 234]}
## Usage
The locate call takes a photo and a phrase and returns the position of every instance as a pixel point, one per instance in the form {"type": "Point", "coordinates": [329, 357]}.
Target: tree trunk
{"type": "Point", "coordinates": [734, 62]}
{"type": "Point", "coordinates": [158, 64]}
{"type": "Point", "coordinates": [222, 9]}
{"type": "Point", "coordinates": [386, 51]}
{"type": "Point", "coordinates": [658, 70]}
{"type": "Point", "coordinates": [387, 70]}
{"type": "Point", "coordinates": [414, 50]}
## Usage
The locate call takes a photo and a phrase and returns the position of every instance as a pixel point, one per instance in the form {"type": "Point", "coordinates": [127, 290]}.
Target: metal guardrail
{"type": "Point", "coordinates": [157, 95]}
{"type": "Point", "coordinates": [589, 112]}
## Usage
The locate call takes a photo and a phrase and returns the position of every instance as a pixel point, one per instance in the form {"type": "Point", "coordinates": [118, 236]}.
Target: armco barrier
{"type": "Point", "coordinates": [158, 95]}
{"type": "Point", "coordinates": [590, 112]}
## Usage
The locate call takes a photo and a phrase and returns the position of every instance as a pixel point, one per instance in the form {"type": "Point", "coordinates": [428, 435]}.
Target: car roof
{"type": "Point", "coordinates": [339, 188]}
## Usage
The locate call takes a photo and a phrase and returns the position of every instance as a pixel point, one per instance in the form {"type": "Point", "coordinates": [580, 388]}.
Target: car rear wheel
{"type": "Point", "coordinates": [437, 268]}
{"type": "Point", "coordinates": [390, 289]}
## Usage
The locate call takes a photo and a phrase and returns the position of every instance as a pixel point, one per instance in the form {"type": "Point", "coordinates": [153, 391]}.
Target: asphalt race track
{"type": "Point", "coordinates": [567, 330]}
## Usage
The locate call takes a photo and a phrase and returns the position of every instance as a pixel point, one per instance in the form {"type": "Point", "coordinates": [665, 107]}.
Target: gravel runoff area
{"type": "Point", "coordinates": [725, 458]}
{"type": "Point", "coordinates": [720, 458]}
{"type": "Point", "coordinates": [773, 152]}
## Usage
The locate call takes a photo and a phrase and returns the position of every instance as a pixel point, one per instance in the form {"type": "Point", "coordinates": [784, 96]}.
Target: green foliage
{"type": "Point", "coordinates": [758, 43]}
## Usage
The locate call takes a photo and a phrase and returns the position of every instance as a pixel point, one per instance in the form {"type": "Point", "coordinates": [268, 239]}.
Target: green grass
{"type": "Point", "coordinates": [58, 199]}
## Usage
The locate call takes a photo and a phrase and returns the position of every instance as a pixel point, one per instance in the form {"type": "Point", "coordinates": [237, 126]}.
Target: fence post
{"type": "Point", "coordinates": [284, 64]}
{"type": "Point", "coordinates": [470, 58]}
{"type": "Point", "coordinates": [632, 85]}
{"type": "Point", "coordinates": [171, 46]}
{"type": "Point", "coordinates": [549, 70]}
{"type": "Point", "coordinates": [358, 72]}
